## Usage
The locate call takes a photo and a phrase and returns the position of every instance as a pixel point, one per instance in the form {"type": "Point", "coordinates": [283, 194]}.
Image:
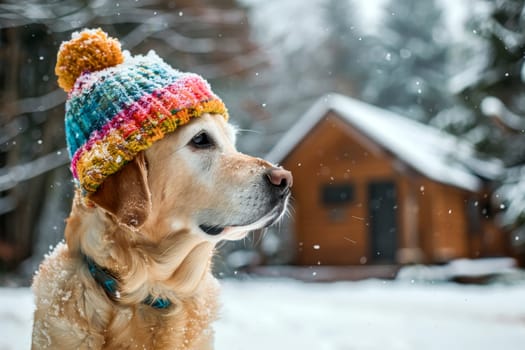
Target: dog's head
{"type": "Point", "coordinates": [151, 147]}
{"type": "Point", "coordinates": [194, 179]}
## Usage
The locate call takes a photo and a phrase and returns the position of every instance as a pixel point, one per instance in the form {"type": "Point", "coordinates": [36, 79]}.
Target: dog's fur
{"type": "Point", "coordinates": [143, 225]}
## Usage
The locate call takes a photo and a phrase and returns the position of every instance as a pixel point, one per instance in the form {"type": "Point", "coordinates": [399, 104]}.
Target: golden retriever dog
{"type": "Point", "coordinates": [149, 232]}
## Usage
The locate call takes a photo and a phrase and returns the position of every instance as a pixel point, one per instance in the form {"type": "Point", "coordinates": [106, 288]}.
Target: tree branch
{"type": "Point", "coordinates": [18, 173]}
{"type": "Point", "coordinates": [37, 104]}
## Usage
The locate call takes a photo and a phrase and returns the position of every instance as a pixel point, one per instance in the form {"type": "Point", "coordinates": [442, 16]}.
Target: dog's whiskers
{"type": "Point", "coordinates": [249, 130]}
{"type": "Point", "coordinates": [262, 233]}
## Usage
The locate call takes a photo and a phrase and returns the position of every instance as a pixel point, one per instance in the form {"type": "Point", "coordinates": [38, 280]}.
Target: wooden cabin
{"type": "Point", "coordinates": [373, 187]}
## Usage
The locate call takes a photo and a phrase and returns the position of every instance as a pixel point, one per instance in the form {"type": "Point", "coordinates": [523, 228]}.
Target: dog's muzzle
{"type": "Point", "coordinates": [277, 185]}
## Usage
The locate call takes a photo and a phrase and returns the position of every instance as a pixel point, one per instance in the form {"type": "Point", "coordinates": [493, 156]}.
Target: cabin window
{"type": "Point", "coordinates": [337, 194]}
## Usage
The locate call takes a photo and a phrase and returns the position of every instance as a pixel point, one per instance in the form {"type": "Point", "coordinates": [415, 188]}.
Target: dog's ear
{"type": "Point", "coordinates": [126, 193]}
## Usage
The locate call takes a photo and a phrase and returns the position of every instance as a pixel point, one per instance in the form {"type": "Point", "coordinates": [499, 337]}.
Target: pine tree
{"type": "Point", "coordinates": [315, 49]}
{"type": "Point", "coordinates": [497, 90]}
{"type": "Point", "coordinates": [496, 96]}
{"type": "Point", "coordinates": [346, 48]}
{"type": "Point", "coordinates": [411, 60]}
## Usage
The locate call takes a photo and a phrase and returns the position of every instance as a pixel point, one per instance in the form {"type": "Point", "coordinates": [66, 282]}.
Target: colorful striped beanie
{"type": "Point", "coordinates": [119, 104]}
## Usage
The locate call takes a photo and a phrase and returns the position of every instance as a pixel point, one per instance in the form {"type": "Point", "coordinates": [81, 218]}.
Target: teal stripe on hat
{"type": "Point", "coordinates": [91, 108]}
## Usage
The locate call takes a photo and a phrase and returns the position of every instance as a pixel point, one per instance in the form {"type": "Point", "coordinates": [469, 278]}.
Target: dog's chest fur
{"type": "Point", "coordinates": [72, 312]}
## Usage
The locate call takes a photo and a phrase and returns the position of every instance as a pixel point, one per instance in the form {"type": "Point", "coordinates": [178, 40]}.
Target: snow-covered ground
{"type": "Point", "coordinates": [285, 314]}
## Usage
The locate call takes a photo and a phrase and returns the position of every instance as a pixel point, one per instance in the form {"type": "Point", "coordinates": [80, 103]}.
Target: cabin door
{"type": "Point", "coordinates": [382, 206]}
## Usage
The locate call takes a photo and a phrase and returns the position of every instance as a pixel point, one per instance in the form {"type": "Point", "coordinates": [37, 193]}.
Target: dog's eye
{"type": "Point", "coordinates": [201, 140]}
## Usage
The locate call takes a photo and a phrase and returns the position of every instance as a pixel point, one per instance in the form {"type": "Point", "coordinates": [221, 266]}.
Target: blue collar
{"type": "Point", "coordinates": [109, 283]}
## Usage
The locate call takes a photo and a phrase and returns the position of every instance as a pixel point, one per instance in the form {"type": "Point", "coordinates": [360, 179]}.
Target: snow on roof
{"type": "Point", "coordinates": [436, 154]}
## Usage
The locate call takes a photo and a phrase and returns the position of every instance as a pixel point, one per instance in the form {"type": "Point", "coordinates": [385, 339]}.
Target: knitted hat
{"type": "Point", "coordinates": [119, 104]}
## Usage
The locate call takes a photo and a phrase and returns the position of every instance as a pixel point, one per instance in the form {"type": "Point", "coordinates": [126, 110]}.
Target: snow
{"type": "Point", "coordinates": [485, 267]}
{"type": "Point", "coordinates": [16, 318]}
{"type": "Point", "coordinates": [438, 155]}
{"type": "Point", "coordinates": [283, 314]}
{"type": "Point", "coordinates": [493, 107]}
{"type": "Point", "coordinates": [512, 195]}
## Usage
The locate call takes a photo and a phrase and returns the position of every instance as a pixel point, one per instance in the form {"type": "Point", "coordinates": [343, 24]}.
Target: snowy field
{"type": "Point", "coordinates": [369, 315]}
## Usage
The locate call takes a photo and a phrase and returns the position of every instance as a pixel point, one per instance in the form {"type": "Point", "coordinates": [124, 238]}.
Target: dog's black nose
{"type": "Point", "coordinates": [280, 178]}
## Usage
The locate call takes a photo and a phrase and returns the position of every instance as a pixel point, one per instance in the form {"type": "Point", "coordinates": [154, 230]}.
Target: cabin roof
{"type": "Point", "coordinates": [434, 153]}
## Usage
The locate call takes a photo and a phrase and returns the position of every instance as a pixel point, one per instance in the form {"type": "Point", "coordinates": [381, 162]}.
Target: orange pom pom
{"type": "Point", "coordinates": [87, 51]}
